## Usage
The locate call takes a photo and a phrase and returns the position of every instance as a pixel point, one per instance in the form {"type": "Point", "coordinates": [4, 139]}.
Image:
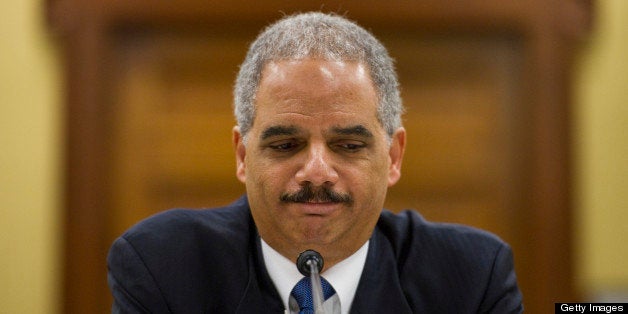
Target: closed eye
{"type": "Point", "coordinates": [284, 146]}
{"type": "Point", "coordinates": [351, 146]}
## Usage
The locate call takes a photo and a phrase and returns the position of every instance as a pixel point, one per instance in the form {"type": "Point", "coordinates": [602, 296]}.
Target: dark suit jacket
{"type": "Point", "coordinates": [210, 261]}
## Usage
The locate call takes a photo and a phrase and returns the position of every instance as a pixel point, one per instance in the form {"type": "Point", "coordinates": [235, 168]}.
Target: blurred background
{"type": "Point", "coordinates": [147, 64]}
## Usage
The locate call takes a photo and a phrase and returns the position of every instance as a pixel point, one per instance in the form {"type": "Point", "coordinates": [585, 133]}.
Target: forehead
{"type": "Point", "coordinates": [313, 87]}
{"type": "Point", "coordinates": [322, 74]}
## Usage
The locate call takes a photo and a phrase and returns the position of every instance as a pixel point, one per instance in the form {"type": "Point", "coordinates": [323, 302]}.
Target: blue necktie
{"type": "Point", "coordinates": [301, 295]}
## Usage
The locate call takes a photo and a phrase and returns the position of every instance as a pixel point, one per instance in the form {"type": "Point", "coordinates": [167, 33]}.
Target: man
{"type": "Point", "coordinates": [319, 141]}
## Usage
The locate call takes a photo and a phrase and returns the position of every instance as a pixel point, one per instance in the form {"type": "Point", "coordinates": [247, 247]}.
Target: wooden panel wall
{"type": "Point", "coordinates": [485, 85]}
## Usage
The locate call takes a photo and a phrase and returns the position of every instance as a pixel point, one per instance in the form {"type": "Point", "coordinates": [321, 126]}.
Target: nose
{"type": "Point", "coordinates": [318, 167]}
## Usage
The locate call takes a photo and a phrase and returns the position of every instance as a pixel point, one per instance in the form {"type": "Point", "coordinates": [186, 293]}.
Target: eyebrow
{"type": "Point", "coordinates": [277, 131]}
{"type": "Point", "coordinates": [280, 130]}
{"type": "Point", "coordinates": [359, 130]}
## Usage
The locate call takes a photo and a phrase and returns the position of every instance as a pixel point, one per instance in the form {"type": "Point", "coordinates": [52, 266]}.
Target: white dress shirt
{"type": "Point", "coordinates": [344, 276]}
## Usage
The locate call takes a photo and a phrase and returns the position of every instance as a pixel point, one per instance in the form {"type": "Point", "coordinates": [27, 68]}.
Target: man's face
{"type": "Point", "coordinates": [317, 162]}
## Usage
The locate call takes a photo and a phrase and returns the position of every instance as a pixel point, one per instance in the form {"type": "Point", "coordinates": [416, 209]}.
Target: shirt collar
{"type": "Point", "coordinates": [344, 276]}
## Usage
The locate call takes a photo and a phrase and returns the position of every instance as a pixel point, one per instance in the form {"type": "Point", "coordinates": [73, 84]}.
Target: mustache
{"type": "Point", "coordinates": [308, 194]}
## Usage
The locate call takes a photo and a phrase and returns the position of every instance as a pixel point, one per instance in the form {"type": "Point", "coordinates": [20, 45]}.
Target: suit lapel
{"type": "Point", "coordinates": [379, 290]}
{"type": "Point", "coordinates": [260, 294]}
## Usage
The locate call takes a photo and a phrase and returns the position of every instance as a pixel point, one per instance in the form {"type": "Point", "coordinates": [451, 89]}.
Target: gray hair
{"type": "Point", "coordinates": [318, 35]}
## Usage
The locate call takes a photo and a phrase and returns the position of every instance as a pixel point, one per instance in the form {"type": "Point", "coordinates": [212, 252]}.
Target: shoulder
{"type": "Point", "coordinates": [410, 225]}
{"type": "Point", "coordinates": [177, 229]}
{"type": "Point", "coordinates": [439, 246]}
{"type": "Point", "coordinates": [449, 267]}
{"type": "Point", "coordinates": [176, 258]}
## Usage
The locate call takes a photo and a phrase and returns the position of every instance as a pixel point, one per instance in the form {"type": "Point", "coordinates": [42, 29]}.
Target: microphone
{"type": "Point", "coordinates": [304, 259]}
{"type": "Point", "coordinates": [310, 263]}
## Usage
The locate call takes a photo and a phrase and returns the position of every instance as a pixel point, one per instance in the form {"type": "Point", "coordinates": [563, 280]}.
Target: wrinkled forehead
{"type": "Point", "coordinates": [326, 92]}
{"type": "Point", "coordinates": [312, 78]}
{"type": "Point", "coordinates": [316, 68]}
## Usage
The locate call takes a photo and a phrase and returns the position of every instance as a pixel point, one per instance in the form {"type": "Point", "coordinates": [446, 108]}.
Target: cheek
{"type": "Point", "coordinates": [372, 180]}
{"type": "Point", "coordinates": [265, 177]}
{"type": "Point", "coordinates": [366, 182]}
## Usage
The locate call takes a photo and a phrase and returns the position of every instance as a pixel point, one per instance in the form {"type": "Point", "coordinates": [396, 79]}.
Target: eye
{"type": "Point", "coordinates": [351, 146]}
{"type": "Point", "coordinates": [284, 146]}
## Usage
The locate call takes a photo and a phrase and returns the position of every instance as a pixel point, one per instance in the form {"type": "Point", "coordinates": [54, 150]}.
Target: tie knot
{"type": "Point", "coordinates": [302, 294]}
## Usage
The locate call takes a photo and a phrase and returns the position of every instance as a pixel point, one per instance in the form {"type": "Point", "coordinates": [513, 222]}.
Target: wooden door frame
{"type": "Point", "coordinates": [550, 30]}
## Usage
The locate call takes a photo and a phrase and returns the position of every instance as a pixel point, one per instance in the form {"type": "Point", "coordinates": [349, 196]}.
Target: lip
{"type": "Point", "coordinates": [318, 209]}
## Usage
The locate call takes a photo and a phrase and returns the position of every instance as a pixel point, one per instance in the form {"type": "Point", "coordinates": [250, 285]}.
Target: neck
{"type": "Point", "coordinates": [332, 254]}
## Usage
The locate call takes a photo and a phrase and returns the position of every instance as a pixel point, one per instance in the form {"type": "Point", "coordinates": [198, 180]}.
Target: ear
{"type": "Point", "coordinates": [397, 148]}
{"type": "Point", "coordinates": [240, 154]}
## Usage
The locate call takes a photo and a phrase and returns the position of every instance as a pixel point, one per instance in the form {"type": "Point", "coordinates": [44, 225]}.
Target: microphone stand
{"type": "Point", "coordinates": [309, 264]}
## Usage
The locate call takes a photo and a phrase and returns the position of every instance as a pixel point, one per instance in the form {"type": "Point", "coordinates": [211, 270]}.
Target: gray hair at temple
{"type": "Point", "coordinates": [318, 35]}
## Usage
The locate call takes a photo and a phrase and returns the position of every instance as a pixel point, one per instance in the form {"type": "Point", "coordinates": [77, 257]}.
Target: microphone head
{"type": "Point", "coordinates": [309, 255]}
